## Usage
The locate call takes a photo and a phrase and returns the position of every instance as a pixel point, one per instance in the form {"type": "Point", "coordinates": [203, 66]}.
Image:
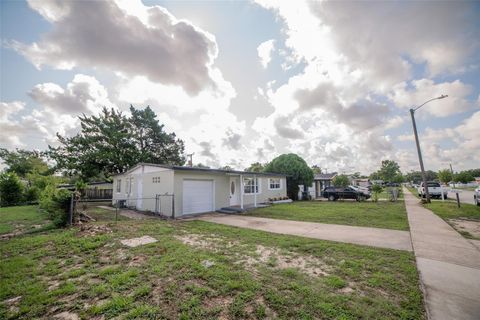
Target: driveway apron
{"type": "Point", "coordinates": [375, 237]}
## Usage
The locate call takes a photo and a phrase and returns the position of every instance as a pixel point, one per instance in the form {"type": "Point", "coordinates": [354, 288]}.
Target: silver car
{"type": "Point", "coordinates": [476, 196]}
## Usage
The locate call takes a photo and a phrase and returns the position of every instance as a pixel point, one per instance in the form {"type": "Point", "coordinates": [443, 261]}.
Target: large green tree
{"type": "Point", "coordinates": [416, 176]}
{"type": "Point", "coordinates": [112, 142]}
{"type": "Point", "coordinates": [153, 144]}
{"type": "Point", "coordinates": [389, 171]}
{"type": "Point", "coordinates": [256, 167]}
{"type": "Point", "coordinates": [341, 181]}
{"type": "Point", "coordinates": [24, 162]}
{"type": "Point", "coordinates": [296, 169]}
{"type": "Point", "coordinates": [445, 175]}
{"type": "Point", "coordinates": [11, 189]}
{"type": "Point", "coordinates": [463, 177]}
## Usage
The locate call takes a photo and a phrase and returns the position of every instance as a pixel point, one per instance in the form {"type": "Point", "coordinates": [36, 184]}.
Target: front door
{"type": "Point", "coordinates": [234, 191]}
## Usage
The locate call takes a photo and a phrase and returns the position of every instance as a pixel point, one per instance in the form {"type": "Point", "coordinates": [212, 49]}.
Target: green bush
{"type": "Point", "coordinates": [57, 204]}
{"type": "Point", "coordinates": [11, 190]}
{"type": "Point", "coordinates": [376, 190]}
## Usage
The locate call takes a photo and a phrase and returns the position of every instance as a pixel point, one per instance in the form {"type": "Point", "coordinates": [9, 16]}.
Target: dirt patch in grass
{"type": "Point", "coordinates": [89, 229]}
{"type": "Point", "coordinates": [263, 256]}
{"type": "Point", "coordinates": [135, 242]}
{"type": "Point", "coordinates": [66, 316]}
{"type": "Point", "coordinates": [472, 227]}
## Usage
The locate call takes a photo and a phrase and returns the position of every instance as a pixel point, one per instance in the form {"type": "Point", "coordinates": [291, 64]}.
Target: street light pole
{"type": "Point", "coordinates": [424, 178]}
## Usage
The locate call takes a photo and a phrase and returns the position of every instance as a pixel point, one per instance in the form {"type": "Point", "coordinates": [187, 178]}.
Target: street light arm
{"type": "Point", "coordinates": [437, 98]}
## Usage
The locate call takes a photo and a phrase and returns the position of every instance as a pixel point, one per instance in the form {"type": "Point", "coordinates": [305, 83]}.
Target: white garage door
{"type": "Point", "coordinates": [197, 196]}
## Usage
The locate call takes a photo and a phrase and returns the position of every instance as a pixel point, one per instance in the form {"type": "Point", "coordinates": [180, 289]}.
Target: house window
{"type": "Point", "coordinates": [274, 184]}
{"type": "Point", "coordinates": [130, 185]}
{"type": "Point", "coordinates": [250, 185]}
{"type": "Point", "coordinates": [119, 185]}
{"type": "Point", "coordinates": [156, 180]}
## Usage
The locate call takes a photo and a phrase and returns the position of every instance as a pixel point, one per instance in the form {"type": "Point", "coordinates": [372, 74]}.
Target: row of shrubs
{"type": "Point", "coordinates": [40, 189]}
{"type": "Point", "coordinates": [278, 199]}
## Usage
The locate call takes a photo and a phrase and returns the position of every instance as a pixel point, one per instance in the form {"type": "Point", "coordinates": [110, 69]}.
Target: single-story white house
{"type": "Point", "coordinates": [189, 190]}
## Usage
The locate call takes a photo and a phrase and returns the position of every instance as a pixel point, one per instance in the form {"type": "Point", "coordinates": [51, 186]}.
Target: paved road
{"type": "Point", "coordinates": [466, 196]}
{"type": "Point", "coordinates": [448, 264]}
{"type": "Point", "coordinates": [375, 237]}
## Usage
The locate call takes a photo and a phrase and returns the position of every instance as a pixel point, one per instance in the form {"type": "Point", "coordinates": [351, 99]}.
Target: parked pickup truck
{"type": "Point", "coordinates": [434, 189]}
{"type": "Point", "coordinates": [334, 193]}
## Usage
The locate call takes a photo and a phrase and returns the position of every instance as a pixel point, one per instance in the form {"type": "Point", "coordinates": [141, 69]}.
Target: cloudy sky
{"type": "Point", "coordinates": [245, 81]}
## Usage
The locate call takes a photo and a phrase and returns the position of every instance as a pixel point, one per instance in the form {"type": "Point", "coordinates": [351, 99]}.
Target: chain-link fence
{"type": "Point", "coordinates": [161, 205]}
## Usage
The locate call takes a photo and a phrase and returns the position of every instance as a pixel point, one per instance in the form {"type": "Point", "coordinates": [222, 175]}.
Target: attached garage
{"type": "Point", "coordinates": [198, 196]}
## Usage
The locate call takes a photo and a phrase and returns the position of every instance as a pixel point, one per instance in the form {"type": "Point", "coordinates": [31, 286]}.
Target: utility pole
{"type": "Point", "coordinates": [412, 113]}
{"type": "Point", "coordinates": [456, 193]}
{"type": "Point", "coordinates": [422, 169]}
{"type": "Point", "coordinates": [190, 162]}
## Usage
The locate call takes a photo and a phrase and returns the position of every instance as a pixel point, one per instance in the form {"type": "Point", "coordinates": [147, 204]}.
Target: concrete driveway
{"type": "Point", "coordinates": [375, 237]}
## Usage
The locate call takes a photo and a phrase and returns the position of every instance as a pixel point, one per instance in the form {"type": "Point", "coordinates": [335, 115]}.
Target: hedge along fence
{"type": "Point", "coordinates": [56, 202]}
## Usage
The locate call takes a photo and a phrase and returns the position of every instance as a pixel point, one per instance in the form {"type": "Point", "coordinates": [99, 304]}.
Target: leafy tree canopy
{"type": "Point", "coordinates": [112, 142]}
{"type": "Point", "coordinates": [445, 175]}
{"type": "Point", "coordinates": [24, 162]}
{"type": "Point", "coordinates": [463, 177]}
{"type": "Point", "coordinates": [256, 167]}
{"type": "Point", "coordinates": [11, 189]}
{"type": "Point", "coordinates": [389, 170]}
{"type": "Point", "coordinates": [341, 181]}
{"type": "Point", "coordinates": [416, 176]}
{"type": "Point", "coordinates": [316, 169]}
{"type": "Point", "coordinates": [299, 173]}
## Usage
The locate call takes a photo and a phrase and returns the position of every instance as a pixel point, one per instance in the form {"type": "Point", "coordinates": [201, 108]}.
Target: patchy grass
{"type": "Point", "coordinates": [22, 219]}
{"type": "Point", "coordinates": [383, 214]}
{"type": "Point", "coordinates": [199, 270]}
{"type": "Point", "coordinates": [449, 212]}
{"type": "Point", "coordinates": [104, 214]}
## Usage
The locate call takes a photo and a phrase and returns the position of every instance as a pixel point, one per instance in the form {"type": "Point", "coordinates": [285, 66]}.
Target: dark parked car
{"type": "Point", "coordinates": [334, 193]}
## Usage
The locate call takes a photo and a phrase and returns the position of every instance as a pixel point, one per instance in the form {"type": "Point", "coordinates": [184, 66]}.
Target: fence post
{"type": "Point", "coordinates": [116, 211]}
{"type": "Point", "coordinates": [173, 206]}
{"type": "Point", "coordinates": [70, 211]}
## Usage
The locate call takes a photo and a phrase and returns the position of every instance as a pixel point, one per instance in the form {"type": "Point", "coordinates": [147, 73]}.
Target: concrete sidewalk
{"type": "Point", "coordinates": [375, 237]}
{"type": "Point", "coordinates": [448, 264]}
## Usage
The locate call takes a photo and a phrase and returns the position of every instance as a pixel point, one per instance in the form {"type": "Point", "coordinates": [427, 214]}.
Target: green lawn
{"type": "Point", "coordinates": [449, 210]}
{"type": "Point", "coordinates": [382, 214]}
{"type": "Point", "coordinates": [199, 270]}
{"type": "Point", "coordinates": [21, 219]}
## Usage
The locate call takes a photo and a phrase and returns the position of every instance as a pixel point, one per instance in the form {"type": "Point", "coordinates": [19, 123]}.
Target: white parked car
{"type": "Point", "coordinates": [434, 189]}
{"type": "Point", "coordinates": [476, 196]}
{"type": "Point", "coordinates": [364, 190]}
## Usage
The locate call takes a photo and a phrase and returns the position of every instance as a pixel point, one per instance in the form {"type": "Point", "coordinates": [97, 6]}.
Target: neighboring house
{"type": "Point", "coordinates": [320, 182]}
{"type": "Point", "coordinates": [361, 182]}
{"type": "Point", "coordinates": [194, 190]}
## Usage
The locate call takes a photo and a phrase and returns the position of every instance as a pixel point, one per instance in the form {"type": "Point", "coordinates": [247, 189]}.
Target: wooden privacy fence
{"type": "Point", "coordinates": [98, 194]}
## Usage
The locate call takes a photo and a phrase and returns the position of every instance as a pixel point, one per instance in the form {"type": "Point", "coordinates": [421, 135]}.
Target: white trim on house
{"type": "Point", "coordinates": [270, 184]}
